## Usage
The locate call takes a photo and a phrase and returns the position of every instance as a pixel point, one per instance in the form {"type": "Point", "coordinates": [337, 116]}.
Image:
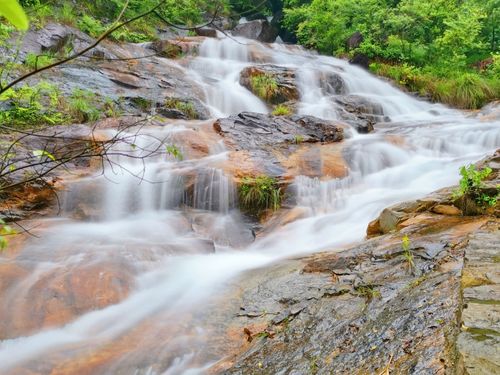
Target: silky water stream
{"type": "Point", "coordinates": [170, 271]}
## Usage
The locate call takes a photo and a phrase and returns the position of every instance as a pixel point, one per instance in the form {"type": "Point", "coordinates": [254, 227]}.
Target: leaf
{"type": "Point", "coordinates": [42, 153]}
{"type": "Point", "coordinates": [14, 13]}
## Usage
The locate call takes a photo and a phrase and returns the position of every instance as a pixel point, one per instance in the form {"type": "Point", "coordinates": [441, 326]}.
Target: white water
{"type": "Point", "coordinates": [142, 223]}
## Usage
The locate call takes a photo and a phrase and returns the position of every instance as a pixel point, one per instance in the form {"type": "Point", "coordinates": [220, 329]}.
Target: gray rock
{"type": "Point", "coordinates": [260, 30]}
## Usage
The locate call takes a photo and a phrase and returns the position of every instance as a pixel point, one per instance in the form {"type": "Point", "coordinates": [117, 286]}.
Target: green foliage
{"type": "Point", "coordinates": [43, 104]}
{"type": "Point", "coordinates": [472, 185]}
{"type": "Point", "coordinates": [34, 61]}
{"type": "Point", "coordinates": [174, 151]}
{"type": "Point", "coordinates": [423, 43]}
{"type": "Point", "coordinates": [407, 254]}
{"type": "Point", "coordinates": [91, 26]}
{"type": "Point", "coordinates": [32, 106]}
{"type": "Point", "coordinates": [298, 139]}
{"type": "Point", "coordinates": [5, 230]}
{"type": "Point", "coordinates": [281, 110]}
{"type": "Point", "coordinates": [260, 193]}
{"type": "Point", "coordinates": [467, 90]}
{"type": "Point", "coordinates": [81, 106]}
{"type": "Point", "coordinates": [67, 15]}
{"type": "Point", "coordinates": [265, 86]}
{"type": "Point", "coordinates": [185, 107]}
{"type": "Point", "coordinates": [14, 13]}
{"type": "Point", "coordinates": [367, 291]}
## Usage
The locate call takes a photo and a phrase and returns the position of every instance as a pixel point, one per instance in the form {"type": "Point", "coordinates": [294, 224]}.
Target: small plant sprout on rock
{"type": "Point", "coordinates": [407, 254]}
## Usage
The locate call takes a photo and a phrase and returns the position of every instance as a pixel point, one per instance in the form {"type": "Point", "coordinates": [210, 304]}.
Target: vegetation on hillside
{"type": "Point", "coordinates": [447, 50]}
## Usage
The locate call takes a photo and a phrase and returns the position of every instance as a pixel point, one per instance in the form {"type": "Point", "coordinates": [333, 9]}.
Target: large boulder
{"type": "Point", "coordinates": [282, 146]}
{"type": "Point", "coordinates": [360, 112]}
{"type": "Point", "coordinates": [260, 30]}
{"type": "Point", "coordinates": [274, 84]}
{"type": "Point", "coordinates": [252, 131]}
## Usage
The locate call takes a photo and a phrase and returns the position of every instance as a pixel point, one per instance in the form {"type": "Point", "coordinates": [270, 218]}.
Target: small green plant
{"type": "Point", "coordinates": [407, 254]}
{"type": "Point", "coordinates": [91, 26]}
{"type": "Point", "coordinates": [367, 291]}
{"type": "Point", "coordinates": [66, 14]}
{"type": "Point", "coordinates": [185, 107]}
{"type": "Point", "coordinates": [174, 151]}
{"type": "Point", "coordinates": [81, 107]}
{"type": "Point", "coordinates": [265, 86]}
{"type": "Point", "coordinates": [34, 61]}
{"type": "Point", "coordinates": [260, 193]}
{"type": "Point", "coordinates": [281, 110]}
{"type": "Point", "coordinates": [472, 183]}
{"type": "Point", "coordinates": [5, 230]}
{"type": "Point", "coordinates": [298, 139]}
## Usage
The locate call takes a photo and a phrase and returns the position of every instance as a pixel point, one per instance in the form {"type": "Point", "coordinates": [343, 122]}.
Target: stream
{"type": "Point", "coordinates": [178, 272]}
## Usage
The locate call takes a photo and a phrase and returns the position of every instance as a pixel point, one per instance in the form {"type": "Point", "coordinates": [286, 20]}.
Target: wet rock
{"type": "Point", "coordinates": [479, 342]}
{"type": "Point", "coordinates": [354, 40]}
{"type": "Point", "coordinates": [332, 84]}
{"type": "Point", "coordinates": [54, 38]}
{"type": "Point", "coordinates": [57, 298]}
{"type": "Point", "coordinates": [360, 112]}
{"type": "Point", "coordinates": [281, 146]}
{"type": "Point", "coordinates": [361, 60]}
{"type": "Point", "coordinates": [166, 48]}
{"type": "Point", "coordinates": [185, 108]}
{"type": "Point", "coordinates": [359, 311]}
{"type": "Point", "coordinates": [206, 32]}
{"type": "Point", "coordinates": [446, 210]}
{"type": "Point", "coordinates": [278, 83]}
{"type": "Point", "coordinates": [224, 231]}
{"type": "Point", "coordinates": [260, 30]}
{"type": "Point", "coordinates": [250, 131]}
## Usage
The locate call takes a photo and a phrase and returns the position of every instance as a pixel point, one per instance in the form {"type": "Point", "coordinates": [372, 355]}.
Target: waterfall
{"type": "Point", "coordinates": [178, 262]}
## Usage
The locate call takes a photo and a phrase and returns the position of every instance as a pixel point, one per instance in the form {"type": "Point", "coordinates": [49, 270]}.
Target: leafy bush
{"type": "Point", "coordinates": [32, 106]}
{"type": "Point", "coordinates": [34, 61]}
{"type": "Point", "coordinates": [91, 26]}
{"type": "Point", "coordinates": [260, 193]}
{"type": "Point", "coordinates": [472, 186]}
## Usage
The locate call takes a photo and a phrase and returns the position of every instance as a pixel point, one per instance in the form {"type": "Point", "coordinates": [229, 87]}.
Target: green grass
{"type": "Point", "coordinates": [465, 89]}
{"type": "Point", "coordinates": [185, 107]}
{"type": "Point", "coordinates": [260, 193]}
{"type": "Point", "coordinates": [281, 110]}
{"type": "Point", "coordinates": [265, 86]}
{"type": "Point", "coordinates": [81, 106]}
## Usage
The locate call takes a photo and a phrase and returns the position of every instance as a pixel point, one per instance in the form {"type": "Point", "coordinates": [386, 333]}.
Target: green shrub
{"type": "Point", "coordinates": [91, 26]}
{"type": "Point", "coordinates": [472, 186]}
{"type": "Point", "coordinates": [265, 86]}
{"type": "Point", "coordinates": [281, 110]}
{"type": "Point", "coordinates": [34, 61]}
{"type": "Point", "coordinates": [260, 193]}
{"type": "Point", "coordinates": [32, 106]}
{"type": "Point", "coordinates": [66, 14]}
{"type": "Point", "coordinates": [81, 106]}
{"type": "Point", "coordinates": [471, 91]}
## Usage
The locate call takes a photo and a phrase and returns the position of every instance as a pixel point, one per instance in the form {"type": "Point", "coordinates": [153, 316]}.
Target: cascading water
{"type": "Point", "coordinates": [146, 221]}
